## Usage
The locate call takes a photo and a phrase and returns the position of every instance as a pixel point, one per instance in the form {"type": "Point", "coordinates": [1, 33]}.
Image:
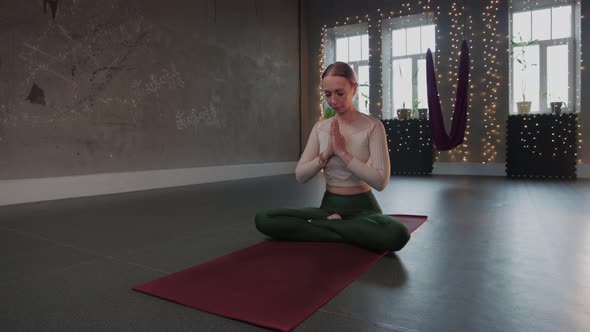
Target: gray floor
{"type": "Point", "coordinates": [495, 255]}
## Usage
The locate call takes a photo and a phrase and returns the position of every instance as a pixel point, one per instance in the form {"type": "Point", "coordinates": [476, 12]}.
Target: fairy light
{"type": "Point", "coordinates": [321, 67]}
{"type": "Point", "coordinates": [490, 82]}
{"type": "Point", "coordinates": [437, 59]}
{"type": "Point", "coordinates": [485, 88]}
{"type": "Point", "coordinates": [407, 15]}
{"type": "Point", "coordinates": [322, 53]}
{"type": "Point", "coordinates": [460, 28]}
{"type": "Point", "coordinates": [578, 34]}
{"type": "Point", "coordinates": [542, 145]}
{"type": "Point", "coordinates": [529, 5]}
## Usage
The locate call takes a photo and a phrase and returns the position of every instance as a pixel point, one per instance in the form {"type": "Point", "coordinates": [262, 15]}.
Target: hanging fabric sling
{"type": "Point", "coordinates": [442, 140]}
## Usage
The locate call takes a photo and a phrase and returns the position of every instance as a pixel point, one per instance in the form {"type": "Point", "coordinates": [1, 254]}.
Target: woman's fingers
{"type": "Point", "coordinates": [335, 128]}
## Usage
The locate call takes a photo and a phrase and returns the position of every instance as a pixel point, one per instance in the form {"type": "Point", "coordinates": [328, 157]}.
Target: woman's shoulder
{"type": "Point", "coordinates": [371, 118]}
{"type": "Point", "coordinates": [370, 121]}
{"type": "Point", "coordinates": [324, 124]}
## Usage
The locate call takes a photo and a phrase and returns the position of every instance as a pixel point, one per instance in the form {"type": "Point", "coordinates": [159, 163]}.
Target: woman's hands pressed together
{"type": "Point", "coordinates": [338, 142]}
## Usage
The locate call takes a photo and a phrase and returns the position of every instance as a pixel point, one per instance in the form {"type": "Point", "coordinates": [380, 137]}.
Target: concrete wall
{"type": "Point", "coordinates": [327, 13]}
{"type": "Point", "coordinates": [128, 85]}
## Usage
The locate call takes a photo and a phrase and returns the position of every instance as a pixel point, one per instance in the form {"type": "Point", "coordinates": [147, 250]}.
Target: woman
{"type": "Point", "coordinates": [351, 147]}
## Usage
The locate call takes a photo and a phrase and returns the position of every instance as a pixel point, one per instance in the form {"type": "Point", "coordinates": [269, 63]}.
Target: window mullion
{"type": "Point", "coordinates": [543, 76]}
{"type": "Point", "coordinates": [348, 44]}
{"type": "Point", "coordinates": [392, 113]}
{"type": "Point", "coordinates": [414, 81]}
{"type": "Point", "coordinates": [571, 77]}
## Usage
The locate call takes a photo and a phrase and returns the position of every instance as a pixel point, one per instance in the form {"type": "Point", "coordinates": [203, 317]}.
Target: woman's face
{"type": "Point", "coordinates": [338, 92]}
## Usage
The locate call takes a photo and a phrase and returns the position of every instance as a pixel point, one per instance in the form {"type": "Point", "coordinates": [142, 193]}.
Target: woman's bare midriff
{"type": "Point", "coordinates": [348, 190]}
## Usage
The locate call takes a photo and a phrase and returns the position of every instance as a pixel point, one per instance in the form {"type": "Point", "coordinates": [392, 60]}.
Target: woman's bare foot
{"type": "Point", "coordinates": [334, 216]}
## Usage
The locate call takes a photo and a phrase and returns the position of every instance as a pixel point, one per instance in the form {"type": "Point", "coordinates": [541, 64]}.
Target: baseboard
{"type": "Point", "coordinates": [583, 171]}
{"type": "Point", "coordinates": [45, 189]}
{"type": "Point", "coordinates": [476, 169]}
{"type": "Point", "coordinates": [489, 169]}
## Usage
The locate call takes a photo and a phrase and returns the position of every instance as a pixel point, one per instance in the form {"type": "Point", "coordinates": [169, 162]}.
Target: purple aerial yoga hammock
{"type": "Point", "coordinates": [443, 141]}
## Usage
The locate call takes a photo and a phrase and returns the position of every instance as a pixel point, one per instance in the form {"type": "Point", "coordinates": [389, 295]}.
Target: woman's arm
{"type": "Point", "coordinates": [378, 173]}
{"type": "Point", "coordinates": [310, 162]}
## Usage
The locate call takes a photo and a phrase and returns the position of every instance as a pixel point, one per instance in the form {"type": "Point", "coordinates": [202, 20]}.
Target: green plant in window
{"type": "Point", "coordinates": [328, 112]}
{"type": "Point", "coordinates": [364, 94]}
{"type": "Point", "coordinates": [520, 57]}
{"type": "Point", "coordinates": [415, 105]}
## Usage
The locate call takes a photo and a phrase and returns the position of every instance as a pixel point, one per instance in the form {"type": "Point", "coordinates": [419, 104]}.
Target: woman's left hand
{"type": "Point", "coordinates": [338, 142]}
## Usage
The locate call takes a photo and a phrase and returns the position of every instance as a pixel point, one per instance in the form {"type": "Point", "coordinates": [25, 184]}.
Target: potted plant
{"type": "Point", "coordinates": [423, 113]}
{"type": "Point", "coordinates": [416, 110]}
{"type": "Point", "coordinates": [524, 106]}
{"type": "Point", "coordinates": [404, 113]}
{"type": "Point", "coordinates": [365, 95]}
{"type": "Point", "coordinates": [328, 112]}
{"type": "Point", "coordinates": [556, 105]}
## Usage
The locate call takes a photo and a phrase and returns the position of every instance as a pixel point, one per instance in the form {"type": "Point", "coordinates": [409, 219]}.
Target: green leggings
{"type": "Point", "coordinates": [362, 224]}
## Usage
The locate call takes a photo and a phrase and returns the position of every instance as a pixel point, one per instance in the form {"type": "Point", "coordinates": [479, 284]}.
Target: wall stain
{"type": "Point", "coordinates": [36, 96]}
{"type": "Point", "coordinates": [52, 4]}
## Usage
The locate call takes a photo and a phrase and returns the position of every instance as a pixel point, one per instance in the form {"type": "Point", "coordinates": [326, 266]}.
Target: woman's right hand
{"type": "Point", "coordinates": [328, 152]}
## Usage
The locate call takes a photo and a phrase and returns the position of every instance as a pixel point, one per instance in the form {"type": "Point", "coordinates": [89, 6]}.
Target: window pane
{"type": "Point", "coordinates": [421, 79]}
{"type": "Point", "coordinates": [363, 90]}
{"type": "Point", "coordinates": [542, 24]}
{"type": "Point", "coordinates": [557, 74]}
{"type": "Point", "coordinates": [413, 41]}
{"type": "Point", "coordinates": [428, 38]}
{"type": "Point", "coordinates": [561, 22]}
{"type": "Point", "coordinates": [402, 84]}
{"type": "Point", "coordinates": [526, 75]}
{"type": "Point", "coordinates": [365, 47]}
{"type": "Point", "coordinates": [354, 48]}
{"type": "Point", "coordinates": [521, 26]}
{"type": "Point", "coordinates": [398, 42]}
{"type": "Point", "coordinates": [342, 49]}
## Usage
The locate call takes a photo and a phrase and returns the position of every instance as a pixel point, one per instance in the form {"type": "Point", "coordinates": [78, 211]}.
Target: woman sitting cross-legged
{"type": "Point", "coordinates": [351, 148]}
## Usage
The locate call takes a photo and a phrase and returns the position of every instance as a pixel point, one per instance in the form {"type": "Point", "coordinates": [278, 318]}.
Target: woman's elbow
{"type": "Point", "coordinates": [381, 185]}
{"type": "Point", "coordinates": [300, 177]}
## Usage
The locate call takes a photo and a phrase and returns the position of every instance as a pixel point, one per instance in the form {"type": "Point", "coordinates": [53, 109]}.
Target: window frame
{"type": "Point", "coordinates": [573, 67]}
{"type": "Point", "coordinates": [347, 31]}
{"type": "Point", "coordinates": [388, 26]}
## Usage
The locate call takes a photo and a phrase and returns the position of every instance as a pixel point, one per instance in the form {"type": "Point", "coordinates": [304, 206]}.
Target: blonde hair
{"type": "Point", "coordinates": [341, 69]}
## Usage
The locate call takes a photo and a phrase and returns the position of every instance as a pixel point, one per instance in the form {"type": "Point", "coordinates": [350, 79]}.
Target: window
{"type": "Point", "coordinates": [543, 61]}
{"type": "Point", "coordinates": [350, 44]}
{"type": "Point", "coordinates": [405, 42]}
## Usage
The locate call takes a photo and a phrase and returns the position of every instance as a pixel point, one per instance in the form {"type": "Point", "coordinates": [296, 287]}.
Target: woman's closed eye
{"type": "Point", "coordinates": [340, 94]}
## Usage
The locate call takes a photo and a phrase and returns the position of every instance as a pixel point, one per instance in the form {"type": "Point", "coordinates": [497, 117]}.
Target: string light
{"type": "Point", "coordinates": [408, 16]}
{"type": "Point", "coordinates": [412, 153]}
{"type": "Point", "coordinates": [541, 145]}
{"type": "Point", "coordinates": [486, 88]}
{"type": "Point", "coordinates": [460, 29]}
{"type": "Point", "coordinates": [322, 62]}
{"type": "Point", "coordinates": [528, 5]}
{"type": "Point", "coordinates": [322, 56]}
{"type": "Point", "coordinates": [580, 142]}
{"type": "Point", "coordinates": [490, 82]}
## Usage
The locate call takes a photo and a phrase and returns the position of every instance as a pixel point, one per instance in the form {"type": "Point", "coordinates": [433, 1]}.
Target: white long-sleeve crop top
{"type": "Point", "coordinates": [366, 141]}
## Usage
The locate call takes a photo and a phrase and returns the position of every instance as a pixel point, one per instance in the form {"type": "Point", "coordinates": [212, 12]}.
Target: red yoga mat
{"type": "Point", "coordinates": [274, 284]}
